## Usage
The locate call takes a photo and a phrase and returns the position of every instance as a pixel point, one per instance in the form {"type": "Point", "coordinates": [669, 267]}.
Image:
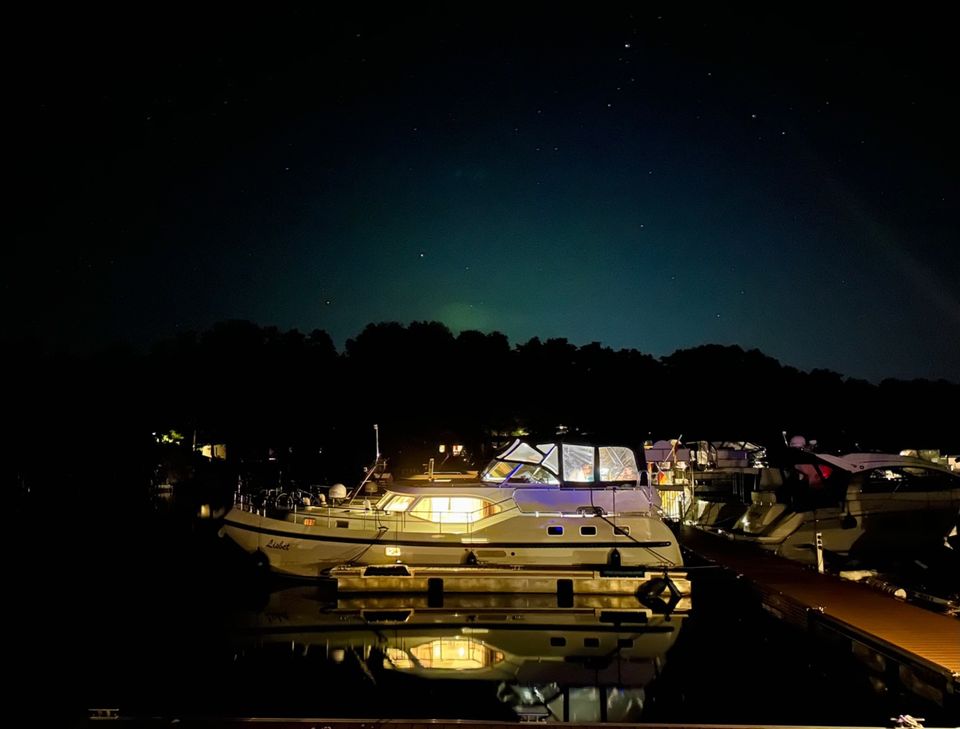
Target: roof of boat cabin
{"type": "Point", "coordinates": [485, 488]}
{"type": "Point", "coordinates": [856, 462]}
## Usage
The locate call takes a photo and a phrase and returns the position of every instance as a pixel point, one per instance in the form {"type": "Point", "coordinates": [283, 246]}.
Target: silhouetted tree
{"type": "Point", "coordinates": [85, 422]}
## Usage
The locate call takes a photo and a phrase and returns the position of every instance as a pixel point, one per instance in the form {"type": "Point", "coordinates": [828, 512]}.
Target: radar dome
{"type": "Point", "coordinates": [338, 491]}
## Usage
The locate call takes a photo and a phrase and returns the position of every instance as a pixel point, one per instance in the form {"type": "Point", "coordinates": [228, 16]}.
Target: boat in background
{"type": "Point", "coordinates": [546, 504]}
{"type": "Point", "coordinates": [708, 482]}
{"type": "Point", "coordinates": [863, 505]}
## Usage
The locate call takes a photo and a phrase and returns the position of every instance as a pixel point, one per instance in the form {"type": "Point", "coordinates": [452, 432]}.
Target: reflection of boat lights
{"type": "Point", "coordinates": [392, 551]}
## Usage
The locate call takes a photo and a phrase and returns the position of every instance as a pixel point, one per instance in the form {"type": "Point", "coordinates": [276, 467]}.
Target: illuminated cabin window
{"type": "Point", "coordinates": [397, 658]}
{"type": "Point", "coordinates": [455, 654]}
{"type": "Point", "coordinates": [398, 503]}
{"type": "Point", "coordinates": [454, 509]}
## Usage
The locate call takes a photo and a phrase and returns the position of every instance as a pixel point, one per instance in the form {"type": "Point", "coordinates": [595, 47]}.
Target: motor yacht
{"type": "Point", "coordinates": [546, 504]}
{"type": "Point", "coordinates": [862, 504]}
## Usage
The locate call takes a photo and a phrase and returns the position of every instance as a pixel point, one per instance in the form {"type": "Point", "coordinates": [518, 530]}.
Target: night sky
{"type": "Point", "coordinates": [656, 177]}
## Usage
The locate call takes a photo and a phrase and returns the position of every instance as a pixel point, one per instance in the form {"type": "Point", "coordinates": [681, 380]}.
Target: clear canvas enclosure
{"type": "Point", "coordinates": [553, 464]}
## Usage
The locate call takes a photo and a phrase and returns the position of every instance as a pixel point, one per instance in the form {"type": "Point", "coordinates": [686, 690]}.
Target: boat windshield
{"type": "Point", "coordinates": [552, 464]}
{"type": "Point", "coordinates": [525, 472]}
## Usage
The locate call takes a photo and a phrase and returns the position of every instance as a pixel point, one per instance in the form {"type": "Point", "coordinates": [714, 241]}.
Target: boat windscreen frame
{"type": "Point", "coordinates": [564, 470]}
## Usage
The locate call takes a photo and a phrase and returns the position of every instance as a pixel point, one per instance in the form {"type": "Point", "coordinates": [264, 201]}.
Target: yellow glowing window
{"type": "Point", "coordinates": [397, 658]}
{"type": "Point", "coordinates": [454, 509]}
{"type": "Point", "coordinates": [457, 654]}
{"type": "Point", "coordinates": [398, 503]}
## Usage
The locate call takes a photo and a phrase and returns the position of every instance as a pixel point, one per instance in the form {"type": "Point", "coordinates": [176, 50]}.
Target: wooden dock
{"type": "Point", "coordinates": [920, 647]}
{"type": "Point", "coordinates": [668, 589]}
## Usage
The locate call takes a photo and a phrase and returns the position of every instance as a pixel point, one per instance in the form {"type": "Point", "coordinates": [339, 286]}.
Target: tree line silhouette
{"type": "Point", "coordinates": [82, 421]}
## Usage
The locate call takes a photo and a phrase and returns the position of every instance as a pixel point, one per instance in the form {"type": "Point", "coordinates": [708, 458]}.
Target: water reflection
{"type": "Point", "coordinates": [589, 662]}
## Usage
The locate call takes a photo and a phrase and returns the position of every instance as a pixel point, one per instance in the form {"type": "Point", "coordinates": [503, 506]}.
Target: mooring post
{"type": "Point", "coordinates": [819, 543]}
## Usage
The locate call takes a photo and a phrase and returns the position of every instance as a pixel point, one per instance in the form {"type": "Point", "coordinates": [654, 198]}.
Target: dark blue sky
{"type": "Point", "coordinates": [656, 178]}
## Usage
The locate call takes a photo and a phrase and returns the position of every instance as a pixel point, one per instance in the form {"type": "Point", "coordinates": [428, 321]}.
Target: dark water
{"type": "Point", "coordinates": [158, 617]}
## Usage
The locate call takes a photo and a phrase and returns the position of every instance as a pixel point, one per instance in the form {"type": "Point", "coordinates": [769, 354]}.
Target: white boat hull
{"type": "Point", "coordinates": [309, 550]}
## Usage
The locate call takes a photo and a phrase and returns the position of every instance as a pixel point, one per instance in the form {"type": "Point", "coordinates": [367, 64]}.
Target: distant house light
{"type": "Point", "coordinates": [457, 450]}
{"type": "Point", "coordinates": [213, 451]}
{"type": "Point", "coordinates": [443, 448]}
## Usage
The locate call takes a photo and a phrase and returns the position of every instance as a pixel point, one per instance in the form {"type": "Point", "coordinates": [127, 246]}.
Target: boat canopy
{"type": "Point", "coordinates": [553, 464]}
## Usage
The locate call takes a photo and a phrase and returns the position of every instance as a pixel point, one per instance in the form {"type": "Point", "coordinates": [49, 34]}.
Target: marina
{"type": "Point", "coordinates": [315, 653]}
{"type": "Point", "coordinates": [449, 365]}
{"type": "Point", "coordinates": [724, 632]}
{"type": "Point", "coordinates": [739, 648]}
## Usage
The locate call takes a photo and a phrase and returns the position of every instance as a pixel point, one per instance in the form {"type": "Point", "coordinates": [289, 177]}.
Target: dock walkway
{"type": "Point", "coordinates": [925, 645]}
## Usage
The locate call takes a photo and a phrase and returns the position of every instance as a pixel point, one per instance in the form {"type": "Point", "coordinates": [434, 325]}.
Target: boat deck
{"type": "Point", "coordinates": [925, 645]}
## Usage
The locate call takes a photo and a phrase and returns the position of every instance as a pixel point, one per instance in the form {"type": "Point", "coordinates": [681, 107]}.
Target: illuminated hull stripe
{"type": "Point", "coordinates": [550, 543]}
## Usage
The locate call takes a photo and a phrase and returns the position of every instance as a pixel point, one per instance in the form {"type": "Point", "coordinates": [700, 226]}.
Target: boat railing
{"type": "Point", "coordinates": [259, 502]}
